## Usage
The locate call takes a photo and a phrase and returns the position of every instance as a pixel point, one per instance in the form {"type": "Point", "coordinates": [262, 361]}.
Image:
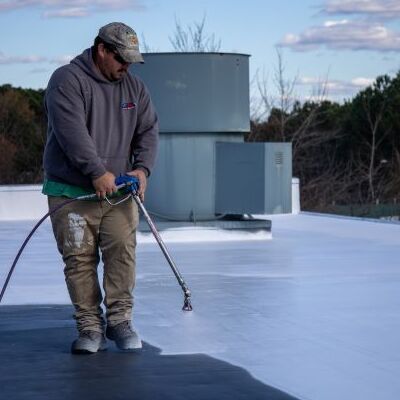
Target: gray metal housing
{"type": "Point", "coordinates": [253, 178]}
{"type": "Point", "coordinates": [182, 187]}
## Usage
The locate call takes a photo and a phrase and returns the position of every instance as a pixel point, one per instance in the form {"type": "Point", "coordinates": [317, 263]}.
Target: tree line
{"type": "Point", "coordinates": [343, 153]}
{"type": "Point", "coordinates": [22, 135]}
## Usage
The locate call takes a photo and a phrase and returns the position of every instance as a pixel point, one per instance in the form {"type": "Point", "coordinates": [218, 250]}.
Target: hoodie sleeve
{"type": "Point", "coordinates": [145, 139]}
{"type": "Point", "coordinates": [66, 115]}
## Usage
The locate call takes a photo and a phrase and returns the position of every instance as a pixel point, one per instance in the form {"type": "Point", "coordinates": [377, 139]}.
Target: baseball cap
{"type": "Point", "coordinates": [124, 39]}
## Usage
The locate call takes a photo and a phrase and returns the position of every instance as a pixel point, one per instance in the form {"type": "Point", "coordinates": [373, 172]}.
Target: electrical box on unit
{"type": "Point", "coordinates": [253, 178]}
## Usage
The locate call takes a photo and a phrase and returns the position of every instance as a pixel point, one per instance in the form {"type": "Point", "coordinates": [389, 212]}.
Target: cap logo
{"type": "Point", "coordinates": [132, 40]}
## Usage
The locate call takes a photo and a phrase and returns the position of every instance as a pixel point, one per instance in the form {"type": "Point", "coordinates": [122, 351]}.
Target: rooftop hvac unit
{"type": "Point", "coordinates": [202, 100]}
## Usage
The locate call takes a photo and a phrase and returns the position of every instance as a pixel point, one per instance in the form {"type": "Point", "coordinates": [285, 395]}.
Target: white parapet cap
{"type": "Point", "coordinates": [21, 188]}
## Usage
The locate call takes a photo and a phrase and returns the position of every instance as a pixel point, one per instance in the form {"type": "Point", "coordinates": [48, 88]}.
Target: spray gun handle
{"type": "Point", "coordinates": [130, 183]}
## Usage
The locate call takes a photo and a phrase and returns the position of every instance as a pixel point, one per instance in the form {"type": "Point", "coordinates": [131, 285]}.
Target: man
{"type": "Point", "coordinates": [101, 123]}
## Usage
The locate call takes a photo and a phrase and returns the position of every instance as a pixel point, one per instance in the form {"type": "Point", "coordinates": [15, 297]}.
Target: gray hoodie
{"type": "Point", "coordinates": [95, 125]}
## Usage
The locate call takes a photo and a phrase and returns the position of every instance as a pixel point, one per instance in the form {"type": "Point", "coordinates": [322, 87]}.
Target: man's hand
{"type": "Point", "coordinates": [138, 173]}
{"type": "Point", "coordinates": [105, 184]}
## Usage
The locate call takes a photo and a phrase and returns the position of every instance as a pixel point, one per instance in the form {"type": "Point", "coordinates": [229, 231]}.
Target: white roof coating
{"type": "Point", "coordinates": [313, 312]}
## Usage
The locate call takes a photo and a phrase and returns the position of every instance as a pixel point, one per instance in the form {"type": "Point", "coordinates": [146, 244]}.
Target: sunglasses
{"type": "Point", "coordinates": [116, 56]}
{"type": "Point", "coordinates": [119, 59]}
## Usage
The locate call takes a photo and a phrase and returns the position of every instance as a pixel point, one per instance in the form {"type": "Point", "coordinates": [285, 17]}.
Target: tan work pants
{"type": "Point", "coordinates": [81, 229]}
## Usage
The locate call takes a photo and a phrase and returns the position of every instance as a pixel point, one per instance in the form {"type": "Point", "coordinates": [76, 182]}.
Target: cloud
{"type": "Point", "coordinates": [67, 13]}
{"type": "Point", "coordinates": [71, 8]}
{"type": "Point", "coordinates": [62, 60]}
{"type": "Point", "coordinates": [12, 5]}
{"type": "Point", "coordinates": [337, 87]}
{"type": "Point", "coordinates": [345, 35]}
{"type": "Point", "coordinates": [362, 82]}
{"type": "Point", "coordinates": [34, 59]}
{"type": "Point", "coordinates": [20, 59]}
{"type": "Point", "coordinates": [388, 9]}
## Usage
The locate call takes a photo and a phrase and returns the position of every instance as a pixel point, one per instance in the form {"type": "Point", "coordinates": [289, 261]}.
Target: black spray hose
{"type": "Point", "coordinates": [53, 210]}
{"type": "Point", "coordinates": [187, 306]}
{"type": "Point", "coordinates": [26, 242]}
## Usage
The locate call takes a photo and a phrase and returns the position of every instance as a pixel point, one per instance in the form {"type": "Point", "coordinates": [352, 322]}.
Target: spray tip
{"type": "Point", "coordinates": [187, 305]}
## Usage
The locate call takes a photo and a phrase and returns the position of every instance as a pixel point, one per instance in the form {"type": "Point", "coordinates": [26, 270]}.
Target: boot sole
{"type": "Point", "coordinates": [88, 349]}
{"type": "Point", "coordinates": [128, 347]}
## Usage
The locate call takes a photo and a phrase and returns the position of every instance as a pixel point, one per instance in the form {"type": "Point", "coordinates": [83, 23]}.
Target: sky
{"type": "Point", "coordinates": [340, 44]}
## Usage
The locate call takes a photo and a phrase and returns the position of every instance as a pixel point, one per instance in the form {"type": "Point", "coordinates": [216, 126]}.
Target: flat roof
{"type": "Point", "coordinates": [312, 314]}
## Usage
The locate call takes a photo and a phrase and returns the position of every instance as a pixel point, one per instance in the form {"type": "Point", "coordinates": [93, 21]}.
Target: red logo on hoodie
{"type": "Point", "coordinates": [128, 106]}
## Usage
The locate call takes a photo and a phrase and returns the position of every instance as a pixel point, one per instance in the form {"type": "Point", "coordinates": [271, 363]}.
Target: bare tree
{"type": "Point", "coordinates": [257, 109]}
{"type": "Point", "coordinates": [320, 192]}
{"type": "Point", "coordinates": [193, 38]}
{"type": "Point", "coordinates": [374, 115]}
{"type": "Point", "coordinates": [393, 183]}
{"type": "Point", "coordinates": [286, 97]}
{"type": "Point", "coordinates": [146, 48]}
{"type": "Point", "coordinates": [278, 105]}
{"type": "Point", "coordinates": [283, 100]}
{"type": "Point", "coordinates": [323, 180]}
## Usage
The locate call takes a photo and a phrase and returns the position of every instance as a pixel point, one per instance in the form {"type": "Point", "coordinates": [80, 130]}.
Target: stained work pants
{"type": "Point", "coordinates": [83, 230]}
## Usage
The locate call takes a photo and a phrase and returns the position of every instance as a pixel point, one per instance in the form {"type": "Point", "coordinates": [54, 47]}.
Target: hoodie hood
{"type": "Point", "coordinates": [85, 62]}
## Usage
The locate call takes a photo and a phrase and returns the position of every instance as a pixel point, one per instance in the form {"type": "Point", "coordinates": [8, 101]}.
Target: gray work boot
{"type": "Point", "coordinates": [124, 336]}
{"type": "Point", "coordinates": [89, 342]}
